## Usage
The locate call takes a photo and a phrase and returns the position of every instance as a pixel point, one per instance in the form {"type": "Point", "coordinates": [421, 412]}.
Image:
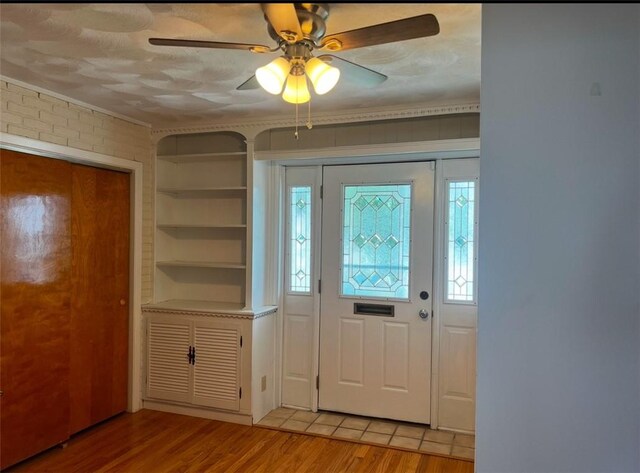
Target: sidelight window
{"type": "Point", "coordinates": [460, 231]}
{"type": "Point", "coordinates": [300, 239]}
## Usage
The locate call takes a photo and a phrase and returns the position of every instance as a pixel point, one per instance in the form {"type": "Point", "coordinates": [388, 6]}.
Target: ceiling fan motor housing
{"type": "Point", "coordinates": [312, 17]}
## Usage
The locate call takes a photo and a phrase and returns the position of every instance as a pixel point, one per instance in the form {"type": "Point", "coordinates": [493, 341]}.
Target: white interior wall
{"type": "Point", "coordinates": [559, 312]}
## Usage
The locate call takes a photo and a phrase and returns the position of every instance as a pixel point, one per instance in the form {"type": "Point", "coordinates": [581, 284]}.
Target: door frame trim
{"type": "Point", "coordinates": [74, 155]}
{"type": "Point", "coordinates": [365, 154]}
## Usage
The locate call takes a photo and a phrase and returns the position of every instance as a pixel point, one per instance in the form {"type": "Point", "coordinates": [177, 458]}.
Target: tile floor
{"type": "Point", "coordinates": [403, 435]}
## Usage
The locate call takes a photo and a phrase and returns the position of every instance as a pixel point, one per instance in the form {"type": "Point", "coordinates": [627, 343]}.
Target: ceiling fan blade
{"type": "Point", "coordinates": [364, 76]}
{"type": "Point", "coordinates": [193, 43]}
{"type": "Point", "coordinates": [250, 83]}
{"type": "Point", "coordinates": [400, 30]}
{"type": "Point", "coordinates": [283, 20]}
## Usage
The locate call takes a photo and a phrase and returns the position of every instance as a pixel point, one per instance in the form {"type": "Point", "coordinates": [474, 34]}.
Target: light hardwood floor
{"type": "Point", "coordinates": [151, 441]}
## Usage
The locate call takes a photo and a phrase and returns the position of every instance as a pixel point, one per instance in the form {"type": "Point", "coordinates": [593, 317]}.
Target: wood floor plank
{"type": "Point", "coordinates": [158, 442]}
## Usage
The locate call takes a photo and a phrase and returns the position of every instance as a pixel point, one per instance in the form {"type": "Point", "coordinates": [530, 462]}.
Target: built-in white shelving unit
{"type": "Point", "coordinates": [201, 221]}
{"type": "Point", "coordinates": [209, 333]}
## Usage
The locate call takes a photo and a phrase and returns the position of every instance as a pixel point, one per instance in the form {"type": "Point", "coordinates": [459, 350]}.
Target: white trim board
{"type": "Point", "coordinates": [50, 150]}
{"type": "Point", "coordinates": [203, 413]}
{"type": "Point", "coordinates": [376, 153]}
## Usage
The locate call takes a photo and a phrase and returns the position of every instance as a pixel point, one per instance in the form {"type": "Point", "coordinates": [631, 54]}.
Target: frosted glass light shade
{"type": "Point", "coordinates": [296, 90]}
{"type": "Point", "coordinates": [323, 76]}
{"type": "Point", "coordinates": [272, 76]}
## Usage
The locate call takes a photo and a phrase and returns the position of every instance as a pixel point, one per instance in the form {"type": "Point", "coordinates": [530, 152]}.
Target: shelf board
{"type": "Point", "coordinates": [200, 264]}
{"type": "Point", "coordinates": [195, 158]}
{"type": "Point", "coordinates": [201, 190]}
{"type": "Point", "coordinates": [196, 225]}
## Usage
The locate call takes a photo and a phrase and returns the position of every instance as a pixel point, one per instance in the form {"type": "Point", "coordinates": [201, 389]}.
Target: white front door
{"type": "Point", "coordinates": [375, 312]}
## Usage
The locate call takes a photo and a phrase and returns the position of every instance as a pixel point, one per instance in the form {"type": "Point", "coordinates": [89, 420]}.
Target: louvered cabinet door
{"type": "Point", "coordinates": [168, 368]}
{"type": "Point", "coordinates": [216, 380]}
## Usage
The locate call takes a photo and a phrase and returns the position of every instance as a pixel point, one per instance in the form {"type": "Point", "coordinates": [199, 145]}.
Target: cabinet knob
{"type": "Point", "coordinates": [122, 302]}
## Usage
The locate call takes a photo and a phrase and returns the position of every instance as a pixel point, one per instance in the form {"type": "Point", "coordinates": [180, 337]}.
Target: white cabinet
{"type": "Point", "coordinates": [194, 360]}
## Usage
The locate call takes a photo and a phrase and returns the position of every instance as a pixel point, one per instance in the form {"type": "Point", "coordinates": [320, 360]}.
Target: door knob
{"type": "Point", "coordinates": [423, 314]}
{"type": "Point", "coordinates": [122, 302]}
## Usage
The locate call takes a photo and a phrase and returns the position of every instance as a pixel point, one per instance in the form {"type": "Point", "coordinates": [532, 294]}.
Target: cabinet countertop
{"type": "Point", "coordinates": [212, 308]}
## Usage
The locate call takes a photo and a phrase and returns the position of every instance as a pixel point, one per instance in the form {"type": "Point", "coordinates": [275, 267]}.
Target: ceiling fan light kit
{"type": "Point", "coordinates": [298, 29]}
{"type": "Point", "coordinates": [323, 76]}
{"type": "Point", "coordinates": [296, 90]}
{"type": "Point", "coordinates": [272, 76]}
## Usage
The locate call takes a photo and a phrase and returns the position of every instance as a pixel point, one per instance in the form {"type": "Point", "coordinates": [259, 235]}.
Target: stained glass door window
{"type": "Point", "coordinates": [460, 233]}
{"type": "Point", "coordinates": [300, 239]}
{"type": "Point", "coordinates": [376, 241]}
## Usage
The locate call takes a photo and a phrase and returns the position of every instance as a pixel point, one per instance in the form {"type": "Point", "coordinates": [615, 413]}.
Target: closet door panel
{"type": "Point", "coordinates": [100, 295]}
{"type": "Point", "coordinates": [35, 206]}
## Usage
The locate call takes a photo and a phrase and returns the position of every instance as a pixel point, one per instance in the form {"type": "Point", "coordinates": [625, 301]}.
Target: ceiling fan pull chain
{"type": "Point", "coordinates": [309, 124]}
{"type": "Point", "coordinates": [296, 133]}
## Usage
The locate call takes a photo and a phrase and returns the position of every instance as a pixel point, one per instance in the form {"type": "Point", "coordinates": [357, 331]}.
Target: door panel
{"type": "Point", "coordinates": [216, 370]}
{"type": "Point", "coordinates": [395, 361]}
{"type": "Point", "coordinates": [377, 245]}
{"type": "Point", "coordinates": [34, 304]}
{"type": "Point", "coordinates": [100, 295]}
{"type": "Point", "coordinates": [300, 303]}
{"type": "Point", "coordinates": [297, 332]}
{"type": "Point", "coordinates": [351, 351]}
{"type": "Point", "coordinates": [168, 369]}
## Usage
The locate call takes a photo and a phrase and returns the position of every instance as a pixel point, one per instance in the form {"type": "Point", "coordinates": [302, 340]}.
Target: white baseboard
{"type": "Point", "coordinates": [243, 419]}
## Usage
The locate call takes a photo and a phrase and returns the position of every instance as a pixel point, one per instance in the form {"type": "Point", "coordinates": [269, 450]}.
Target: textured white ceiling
{"type": "Point", "coordinates": [98, 53]}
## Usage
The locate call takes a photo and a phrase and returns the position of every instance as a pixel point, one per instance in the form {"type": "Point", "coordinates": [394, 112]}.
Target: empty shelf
{"type": "Point", "coordinates": [193, 225]}
{"type": "Point", "coordinates": [194, 158]}
{"type": "Point", "coordinates": [200, 264]}
{"type": "Point", "coordinates": [202, 190]}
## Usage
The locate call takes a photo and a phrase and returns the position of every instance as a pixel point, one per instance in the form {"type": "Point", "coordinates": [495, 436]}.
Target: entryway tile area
{"type": "Point", "coordinates": [402, 435]}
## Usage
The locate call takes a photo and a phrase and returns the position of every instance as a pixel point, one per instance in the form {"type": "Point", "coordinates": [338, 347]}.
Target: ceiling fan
{"type": "Point", "coordinates": [299, 29]}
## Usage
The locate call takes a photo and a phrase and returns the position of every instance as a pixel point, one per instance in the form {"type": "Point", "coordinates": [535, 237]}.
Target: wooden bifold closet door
{"type": "Point", "coordinates": [64, 300]}
{"type": "Point", "coordinates": [35, 302]}
{"type": "Point", "coordinates": [99, 295]}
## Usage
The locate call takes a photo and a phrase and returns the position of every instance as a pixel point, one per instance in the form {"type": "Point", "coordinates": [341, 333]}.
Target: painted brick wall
{"type": "Point", "coordinates": [32, 114]}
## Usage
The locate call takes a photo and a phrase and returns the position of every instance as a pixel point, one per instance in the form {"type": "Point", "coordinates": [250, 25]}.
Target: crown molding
{"type": "Point", "coordinates": [252, 127]}
{"type": "Point", "coordinates": [57, 95]}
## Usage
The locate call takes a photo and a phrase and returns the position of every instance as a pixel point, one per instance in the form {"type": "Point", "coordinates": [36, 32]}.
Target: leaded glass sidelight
{"type": "Point", "coordinates": [376, 239]}
{"type": "Point", "coordinates": [460, 231]}
{"type": "Point", "coordinates": [300, 239]}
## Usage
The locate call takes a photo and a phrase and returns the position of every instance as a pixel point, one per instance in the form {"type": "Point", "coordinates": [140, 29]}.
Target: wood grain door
{"type": "Point", "coordinates": [35, 295]}
{"type": "Point", "coordinates": [100, 295]}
